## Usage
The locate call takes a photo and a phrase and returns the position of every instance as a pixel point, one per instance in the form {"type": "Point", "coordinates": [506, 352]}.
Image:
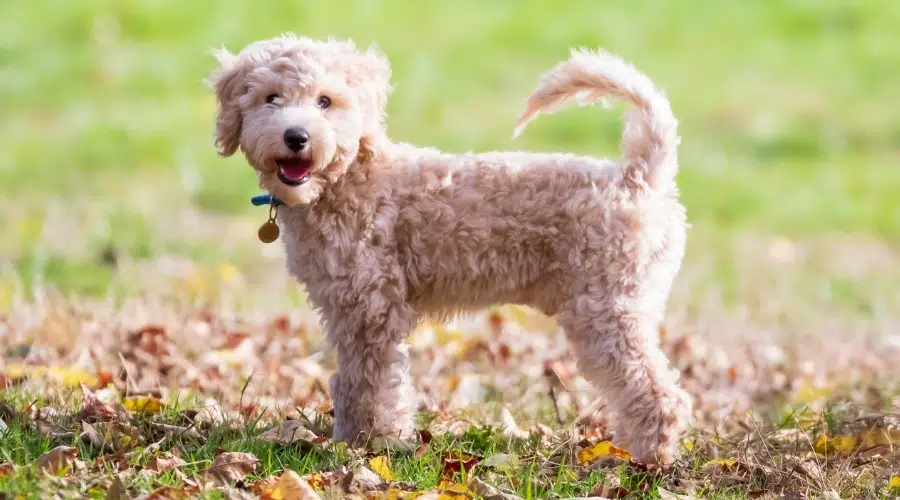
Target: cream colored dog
{"type": "Point", "coordinates": [383, 234]}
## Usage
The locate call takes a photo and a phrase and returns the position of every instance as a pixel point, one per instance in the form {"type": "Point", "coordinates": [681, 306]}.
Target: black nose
{"type": "Point", "coordinates": [296, 138]}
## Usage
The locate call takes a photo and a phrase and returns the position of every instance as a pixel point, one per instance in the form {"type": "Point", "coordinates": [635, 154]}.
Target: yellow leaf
{"type": "Point", "coordinates": [895, 482]}
{"type": "Point", "coordinates": [73, 377]}
{"type": "Point", "coordinates": [453, 491]}
{"type": "Point", "coordinates": [688, 444]}
{"type": "Point", "coordinates": [381, 467]}
{"type": "Point", "coordinates": [397, 494]}
{"type": "Point", "coordinates": [289, 486]}
{"type": "Point", "coordinates": [821, 444]}
{"type": "Point", "coordinates": [70, 377]}
{"type": "Point", "coordinates": [879, 436]}
{"type": "Point", "coordinates": [843, 445]}
{"type": "Point", "coordinates": [603, 449]}
{"type": "Point", "coordinates": [143, 404]}
{"type": "Point", "coordinates": [724, 463]}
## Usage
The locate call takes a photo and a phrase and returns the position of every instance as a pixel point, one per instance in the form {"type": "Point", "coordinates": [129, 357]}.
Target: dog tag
{"type": "Point", "coordinates": [269, 231]}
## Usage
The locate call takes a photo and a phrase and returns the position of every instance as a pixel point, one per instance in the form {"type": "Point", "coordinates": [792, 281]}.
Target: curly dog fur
{"type": "Point", "coordinates": [384, 234]}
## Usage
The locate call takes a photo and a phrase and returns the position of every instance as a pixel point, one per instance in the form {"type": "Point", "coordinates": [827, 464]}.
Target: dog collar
{"type": "Point", "coordinates": [269, 231]}
{"type": "Point", "coordinates": [265, 199]}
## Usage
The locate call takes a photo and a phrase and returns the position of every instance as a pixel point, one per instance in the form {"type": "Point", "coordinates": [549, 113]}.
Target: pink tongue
{"type": "Point", "coordinates": [293, 171]}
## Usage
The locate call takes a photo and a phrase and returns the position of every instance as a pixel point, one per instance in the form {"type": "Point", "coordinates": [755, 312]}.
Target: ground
{"type": "Point", "coordinates": [130, 262]}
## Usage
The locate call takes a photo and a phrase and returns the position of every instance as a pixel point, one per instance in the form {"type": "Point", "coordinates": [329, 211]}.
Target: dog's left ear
{"type": "Point", "coordinates": [371, 74]}
{"type": "Point", "coordinates": [228, 84]}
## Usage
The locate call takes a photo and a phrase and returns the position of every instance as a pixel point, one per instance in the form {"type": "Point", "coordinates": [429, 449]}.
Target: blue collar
{"type": "Point", "coordinates": [265, 199]}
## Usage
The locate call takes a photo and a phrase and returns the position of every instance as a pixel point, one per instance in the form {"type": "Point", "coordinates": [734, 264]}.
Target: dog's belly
{"type": "Point", "coordinates": [466, 271]}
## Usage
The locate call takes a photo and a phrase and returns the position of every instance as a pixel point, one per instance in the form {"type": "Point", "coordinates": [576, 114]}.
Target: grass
{"type": "Point", "coordinates": [785, 108]}
{"type": "Point", "coordinates": [118, 213]}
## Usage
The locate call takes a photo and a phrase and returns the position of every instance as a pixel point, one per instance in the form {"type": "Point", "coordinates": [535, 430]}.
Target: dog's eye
{"type": "Point", "coordinates": [271, 98]}
{"type": "Point", "coordinates": [324, 102]}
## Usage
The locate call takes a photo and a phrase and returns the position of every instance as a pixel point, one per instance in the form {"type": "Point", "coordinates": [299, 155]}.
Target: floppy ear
{"type": "Point", "coordinates": [370, 73]}
{"type": "Point", "coordinates": [228, 84]}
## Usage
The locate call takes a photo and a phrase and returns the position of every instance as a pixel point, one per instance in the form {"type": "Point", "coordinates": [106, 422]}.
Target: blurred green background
{"type": "Point", "coordinates": [109, 180]}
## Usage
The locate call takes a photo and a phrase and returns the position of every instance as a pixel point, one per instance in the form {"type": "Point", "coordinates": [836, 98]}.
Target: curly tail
{"type": "Point", "coordinates": [650, 139]}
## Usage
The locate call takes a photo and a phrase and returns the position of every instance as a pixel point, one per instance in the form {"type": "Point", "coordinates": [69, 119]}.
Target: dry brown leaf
{"type": "Point", "coordinates": [364, 479]}
{"type": "Point", "coordinates": [489, 492]}
{"type": "Point", "coordinates": [164, 462]}
{"type": "Point", "coordinates": [57, 460]}
{"type": "Point", "coordinates": [290, 432]}
{"type": "Point", "coordinates": [177, 431]}
{"type": "Point", "coordinates": [665, 494]}
{"type": "Point", "coordinates": [289, 486]}
{"type": "Point", "coordinates": [116, 490]}
{"type": "Point", "coordinates": [92, 409]}
{"type": "Point", "coordinates": [51, 430]}
{"type": "Point", "coordinates": [90, 435]}
{"type": "Point", "coordinates": [167, 493]}
{"type": "Point", "coordinates": [230, 467]}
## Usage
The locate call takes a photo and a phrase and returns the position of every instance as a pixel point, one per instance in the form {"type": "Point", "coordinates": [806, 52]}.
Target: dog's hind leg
{"type": "Point", "coordinates": [617, 349]}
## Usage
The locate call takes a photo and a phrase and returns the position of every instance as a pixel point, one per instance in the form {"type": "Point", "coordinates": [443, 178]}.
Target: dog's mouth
{"type": "Point", "coordinates": [293, 171]}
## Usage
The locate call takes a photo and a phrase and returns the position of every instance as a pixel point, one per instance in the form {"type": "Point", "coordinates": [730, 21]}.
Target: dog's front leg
{"type": "Point", "coordinates": [372, 391]}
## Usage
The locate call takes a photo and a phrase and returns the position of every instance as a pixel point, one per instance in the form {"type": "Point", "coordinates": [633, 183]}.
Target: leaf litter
{"type": "Point", "coordinates": [273, 373]}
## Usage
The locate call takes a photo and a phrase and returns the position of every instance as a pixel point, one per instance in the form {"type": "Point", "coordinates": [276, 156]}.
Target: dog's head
{"type": "Point", "coordinates": [302, 111]}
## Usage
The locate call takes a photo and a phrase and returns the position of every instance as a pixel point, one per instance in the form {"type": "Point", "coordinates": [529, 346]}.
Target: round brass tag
{"type": "Point", "coordinates": [268, 232]}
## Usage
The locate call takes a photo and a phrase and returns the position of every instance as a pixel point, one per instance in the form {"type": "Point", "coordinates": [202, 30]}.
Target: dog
{"type": "Point", "coordinates": [384, 234]}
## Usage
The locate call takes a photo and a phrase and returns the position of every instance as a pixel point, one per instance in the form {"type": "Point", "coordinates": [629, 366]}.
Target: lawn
{"type": "Point", "coordinates": [120, 218]}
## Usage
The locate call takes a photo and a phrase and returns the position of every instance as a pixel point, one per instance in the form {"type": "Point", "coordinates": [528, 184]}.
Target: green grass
{"type": "Point", "coordinates": [786, 108]}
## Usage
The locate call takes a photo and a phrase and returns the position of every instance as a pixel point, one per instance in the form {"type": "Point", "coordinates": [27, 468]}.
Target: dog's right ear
{"type": "Point", "coordinates": [228, 84]}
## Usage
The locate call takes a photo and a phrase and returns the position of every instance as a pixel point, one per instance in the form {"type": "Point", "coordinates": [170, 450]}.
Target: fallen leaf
{"type": "Point", "coordinates": [392, 444]}
{"type": "Point", "coordinates": [665, 494]}
{"type": "Point", "coordinates": [381, 467]}
{"type": "Point", "coordinates": [166, 493]}
{"type": "Point", "coordinates": [57, 460]}
{"type": "Point", "coordinates": [504, 462]}
{"type": "Point", "coordinates": [602, 450]}
{"type": "Point", "coordinates": [611, 488]}
{"type": "Point", "coordinates": [289, 486]}
{"type": "Point", "coordinates": [290, 432]}
{"type": "Point", "coordinates": [456, 462]}
{"type": "Point", "coordinates": [509, 426]}
{"type": "Point", "coordinates": [722, 464]}
{"type": "Point", "coordinates": [118, 461]}
{"type": "Point", "coordinates": [450, 490]}
{"type": "Point", "coordinates": [843, 445]}
{"type": "Point", "coordinates": [364, 479]}
{"type": "Point", "coordinates": [173, 431]}
{"type": "Point", "coordinates": [143, 404]}
{"type": "Point", "coordinates": [164, 462]}
{"type": "Point", "coordinates": [230, 467]}
{"type": "Point", "coordinates": [6, 469]}
{"type": "Point", "coordinates": [116, 490]}
{"type": "Point", "coordinates": [93, 409]}
{"type": "Point", "coordinates": [89, 433]}
{"type": "Point", "coordinates": [489, 492]}
{"type": "Point", "coordinates": [51, 430]}
{"type": "Point", "coordinates": [879, 436]}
